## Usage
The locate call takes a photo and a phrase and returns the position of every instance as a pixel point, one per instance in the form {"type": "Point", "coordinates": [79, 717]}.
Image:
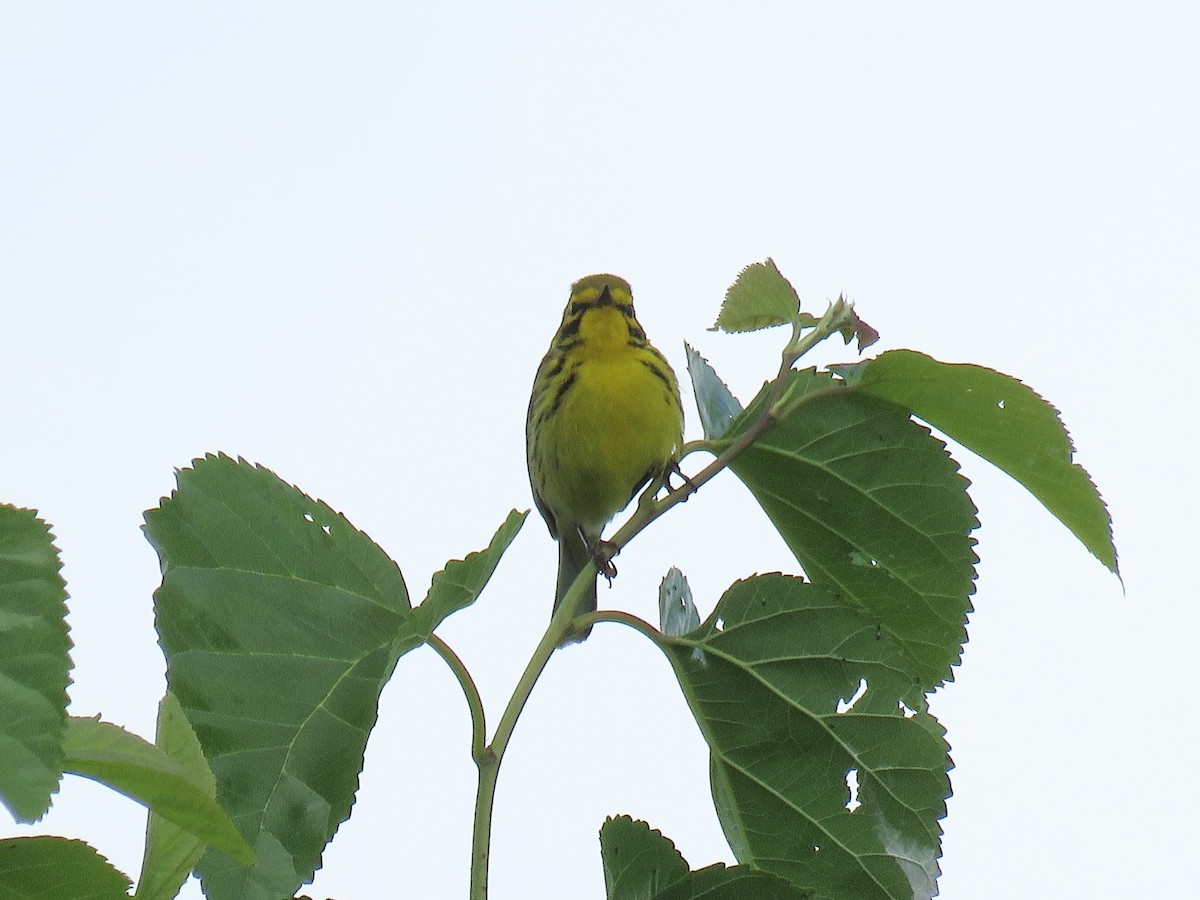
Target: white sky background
{"type": "Point", "coordinates": [336, 240]}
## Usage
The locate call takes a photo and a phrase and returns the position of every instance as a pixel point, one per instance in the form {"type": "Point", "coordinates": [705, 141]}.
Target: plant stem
{"type": "Point", "coordinates": [481, 837]}
{"type": "Point", "coordinates": [467, 683]}
{"type": "Point", "coordinates": [776, 406]}
{"type": "Point", "coordinates": [635, 622]}
{"type": "Point", "coordinates": [649, 508]}
{"type": "Point", "coordinates": [489, 759]}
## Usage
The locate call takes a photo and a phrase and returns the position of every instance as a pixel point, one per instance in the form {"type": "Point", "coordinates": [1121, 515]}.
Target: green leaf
{"type": "Point", "coordinates": [458, 585]}
{"type": "Point", "coordinates": [760, 298]}
{"type": "Point", "coordinates": [277, 618]}
{"type": "Point", "coordinates": [801, 694]}
{"type": "Point", "coordinates": [172, 852]}
{"type": "Point", "coordinates": [1006, 423]}
{"type": "Point", "coordinates": [53, 868]}
{"type": "Point", "coordinates": [35, 664]}
{"type": "Point", "coordinates": [715, 402]}
{"type": "Point", "coordinates": [719, 882]}
{"type": "Point", "coordinates": [639, 863]}
{"type": "Point", "coordinates": [873, 507]}
{"type": "Point", "coordinates": [141, 771]}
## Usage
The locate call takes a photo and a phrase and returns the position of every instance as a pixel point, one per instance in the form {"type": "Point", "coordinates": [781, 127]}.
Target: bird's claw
{"type": "Point", "coordinates": [602, 554]}
{"type": "Point", "coordinates": [688, 484]}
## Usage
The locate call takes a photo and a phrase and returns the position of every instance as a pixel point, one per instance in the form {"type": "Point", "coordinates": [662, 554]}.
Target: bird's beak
{"type": "Point", "coordinates": [605, 298]}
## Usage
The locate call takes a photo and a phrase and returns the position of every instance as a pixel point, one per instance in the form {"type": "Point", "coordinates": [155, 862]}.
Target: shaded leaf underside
{"type": "Point", "coordinates": [874, 509]}
{"type": "Point", "coordinates": [780, 661]}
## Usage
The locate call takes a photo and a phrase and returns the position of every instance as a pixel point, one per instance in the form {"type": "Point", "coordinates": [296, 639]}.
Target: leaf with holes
{"type": "Point", "coordinates": [714, 401]}
{"type": "Point", "coordinates": [826, 770]}
{"type": "Point", "coordinates": [277, 618]}
{"type": "Point", "coordinates": [1005, 422]}
{"type": "Point", "coordinates": [873, 508]}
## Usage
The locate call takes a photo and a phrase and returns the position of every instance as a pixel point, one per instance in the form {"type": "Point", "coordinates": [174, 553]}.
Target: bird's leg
{"type": "Point", "coordinates": [673, 469]}
{"type": "Point", "coordinates": [602, 553]}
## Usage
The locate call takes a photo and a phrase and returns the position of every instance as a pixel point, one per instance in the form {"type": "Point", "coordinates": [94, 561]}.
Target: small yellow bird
{"type": "Point", "coordinates": [604, 419]}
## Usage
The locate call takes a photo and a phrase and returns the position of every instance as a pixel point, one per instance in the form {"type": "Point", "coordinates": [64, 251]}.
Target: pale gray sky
{"type": "Point", "coordinates": [337, 239]}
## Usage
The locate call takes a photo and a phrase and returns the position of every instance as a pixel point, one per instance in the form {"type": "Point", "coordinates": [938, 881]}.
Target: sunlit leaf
{"type": "Point", "coordinates": [278, 619]}
{"type": "Point", "coordinates": [172, 852]}
{"type": "Point", "coordinates": [760, 298]}
{"type": "Point", "coordinates": [138, 769]}
{"type": "Point", "coordinates": [1006, 423]}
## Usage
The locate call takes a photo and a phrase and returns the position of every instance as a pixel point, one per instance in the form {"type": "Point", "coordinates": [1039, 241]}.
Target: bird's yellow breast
{"type": "Point", "coordinates": [619, 423]}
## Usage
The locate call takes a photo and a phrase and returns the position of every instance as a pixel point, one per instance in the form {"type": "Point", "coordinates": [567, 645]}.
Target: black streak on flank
{"type": "Point", "coordinates": [662, 376]}
{"type": "Point", "coordinates": [567, 384]}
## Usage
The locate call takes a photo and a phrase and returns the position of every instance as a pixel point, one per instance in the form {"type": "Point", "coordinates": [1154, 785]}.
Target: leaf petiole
{"type": "Point", "coordinates": [470, 691]}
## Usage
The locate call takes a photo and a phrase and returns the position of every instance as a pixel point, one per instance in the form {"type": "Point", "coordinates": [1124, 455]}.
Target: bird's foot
{"type": "Point", "coordinates": [602, 554]}
{"type": "Point", "coordinates": [688, 486]}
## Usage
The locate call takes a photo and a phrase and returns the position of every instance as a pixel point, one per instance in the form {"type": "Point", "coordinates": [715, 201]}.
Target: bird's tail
{"type": "Point", "coordinates": [573, 554]}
